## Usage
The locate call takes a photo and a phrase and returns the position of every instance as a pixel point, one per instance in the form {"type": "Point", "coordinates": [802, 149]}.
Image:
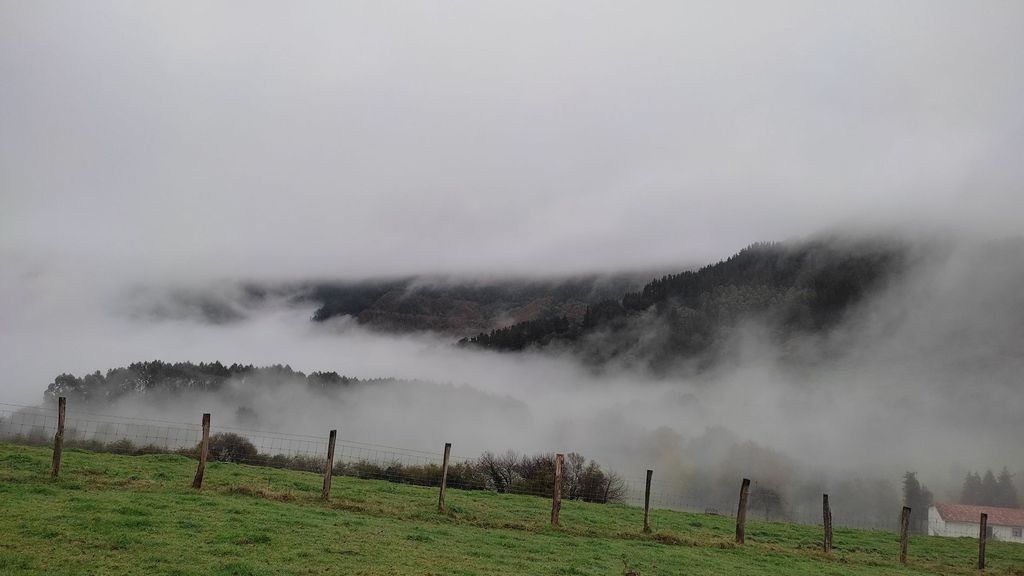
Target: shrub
{"type": "Point", "coordinates": [230, 447]}
{"type": "Point", "coordinates": [122, 446]}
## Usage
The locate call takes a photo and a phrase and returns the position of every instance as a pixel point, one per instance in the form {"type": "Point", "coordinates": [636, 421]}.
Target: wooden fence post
{"type": "Point", "coordinates": [329, 471]}
{"type": "Point", "coordinates": [444, 477]}
{"type": "Point", "coordinates": [556, 495]}
{"type": "Point", "coordinates": [826, 518]}
{"type": "Point", "coordinates": [204, 450]}
{"type": "Point", "coordinates": [58, 438]}
{"type": "Point", "coordinates": [982, 537]}
{"type": "Point", "coordinates": [647, 503]}
{"type": "Point", "coordinates": [904, 531]}
{"type": "Point", "coordinates": [741, 513]}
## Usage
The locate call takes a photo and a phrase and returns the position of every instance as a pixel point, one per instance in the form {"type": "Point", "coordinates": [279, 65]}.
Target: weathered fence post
{"type": "Point", "coordinates": [444, 477]}
{"type": "Point", "coordinates": [904, 531]}
{"type": "Point", "coordinates": [647, 503]}
{"type": "Point", "coordinates": [982, 536]}
{"type": "Point", "coordinates": [741, 513]}
{"type": "Point", "coordinates": [556, 495]}
{"type": "Point", "coordinates": [329, 471]}
{"type": "Point", "coordinates": [58, 438]}
{"type": "Point", "coordinates": [826, 520]}
{"type": "Point", "coordinates": [204, 450]}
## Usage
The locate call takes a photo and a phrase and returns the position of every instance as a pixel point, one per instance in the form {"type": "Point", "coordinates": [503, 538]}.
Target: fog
{"type": "Point", "coordinates": [924, 376]}
{"type": "Point", "coordinates": [156, 149]}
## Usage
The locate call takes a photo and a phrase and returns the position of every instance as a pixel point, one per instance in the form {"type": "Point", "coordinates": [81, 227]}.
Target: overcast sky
{"type": "Point", "coordinates": [363, 138]}
{"type": "Point", "coordinates": [159, 143]}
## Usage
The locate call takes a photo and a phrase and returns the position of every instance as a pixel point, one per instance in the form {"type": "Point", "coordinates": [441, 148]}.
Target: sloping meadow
{"type": "Point", "coordinates": [114, 514]}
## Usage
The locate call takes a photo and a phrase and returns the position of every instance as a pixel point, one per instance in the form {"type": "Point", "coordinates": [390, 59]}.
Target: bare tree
{"type": "Point", "coordinates": [575, 470]}
{"type": "Point", "coordinates": [500, 470]}
{"type": "Point", "coordinates": [614, 488]}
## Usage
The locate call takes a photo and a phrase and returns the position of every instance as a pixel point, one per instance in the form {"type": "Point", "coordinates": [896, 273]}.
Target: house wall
{"type": "Point", "coordinates": [1000, 533]}
{"type": "Point", "coordinates": [1005, 534]}
{"type": "Point", "coordinates": [963, 529]}
{"type": "Point", "coordinates": [938, 527]}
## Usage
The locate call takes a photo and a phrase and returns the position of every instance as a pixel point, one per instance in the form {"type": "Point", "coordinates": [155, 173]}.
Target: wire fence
{"type": "Point", "coordinates": [504, 473]}
{"type": "Point", "coordinates": [104, 433]}
{"type": "Point", "coordinates": [508, 473]}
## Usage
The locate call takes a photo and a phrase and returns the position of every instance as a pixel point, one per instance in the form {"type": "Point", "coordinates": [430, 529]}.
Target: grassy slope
{"type": "Point", "coordinates": [113, 514]}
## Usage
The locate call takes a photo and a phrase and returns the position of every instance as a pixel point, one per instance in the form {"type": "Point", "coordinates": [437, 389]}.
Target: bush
{"type": "Point", "coordinates": [302, 462]}
{"type": "Point", "coordinates": [507, 472]}
{"type": "Point", "coordinates": [230, 447]}
{"type": "Point", "coordinates": [122, 446]}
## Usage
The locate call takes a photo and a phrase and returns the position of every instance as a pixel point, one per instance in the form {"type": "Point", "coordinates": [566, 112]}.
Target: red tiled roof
{"type": "Point", "coordinates": [972, 514]}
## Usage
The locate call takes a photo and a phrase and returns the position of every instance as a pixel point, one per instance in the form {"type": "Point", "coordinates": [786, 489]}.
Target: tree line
{"type": "Point", "coordinates": [154, 377]}
{"type": "Point", "coordinates": [988, 490]}
{"type": "Point", "coordinates": [507, 473]}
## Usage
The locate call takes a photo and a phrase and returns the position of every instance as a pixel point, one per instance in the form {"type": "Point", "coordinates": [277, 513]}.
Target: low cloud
{"type": "Point", "coordinates": [923, 376]}
{"type": "Point", "coordinates": [186, 147]}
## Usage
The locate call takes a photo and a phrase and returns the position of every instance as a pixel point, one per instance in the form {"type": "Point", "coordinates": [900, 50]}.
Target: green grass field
{"type": "Point", "coordinates": [111, 514]}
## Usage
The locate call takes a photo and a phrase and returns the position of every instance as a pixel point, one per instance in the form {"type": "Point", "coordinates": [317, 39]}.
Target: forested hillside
{"type": "Point", "coordinates": [463, 307]}
{"type": "Point", "coordinates": [789, 288]}
{"type": "Point", "coordinates": [804, 286]}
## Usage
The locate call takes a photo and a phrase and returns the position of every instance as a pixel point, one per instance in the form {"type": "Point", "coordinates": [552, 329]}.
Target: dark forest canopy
{"type": "Point", "coordinates": [156, 377]}
{"type": "Point", "coordinates": [462, 307]}
{"type": "Point", "coordinates": [806, 286]}
{"type": "Point", "coordinates": [452, 306]}
{"type": "Point", "coordinates": [791, 288]}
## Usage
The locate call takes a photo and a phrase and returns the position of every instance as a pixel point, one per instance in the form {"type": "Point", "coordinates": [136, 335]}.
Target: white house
{"type": "Point", "coordinates": [1004, 524]}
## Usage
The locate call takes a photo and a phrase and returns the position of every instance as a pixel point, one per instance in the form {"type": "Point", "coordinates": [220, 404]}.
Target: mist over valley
{"type": "Point", "coordinates": [714, 241]}
{"type": "Point", "coordinates": [829, 363]}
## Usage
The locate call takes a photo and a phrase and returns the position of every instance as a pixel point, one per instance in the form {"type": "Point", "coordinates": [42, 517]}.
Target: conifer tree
{"type": "Point", "coordinates": [971, 492]}
{"type": "Point", "coordinates": [1007, 491]}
